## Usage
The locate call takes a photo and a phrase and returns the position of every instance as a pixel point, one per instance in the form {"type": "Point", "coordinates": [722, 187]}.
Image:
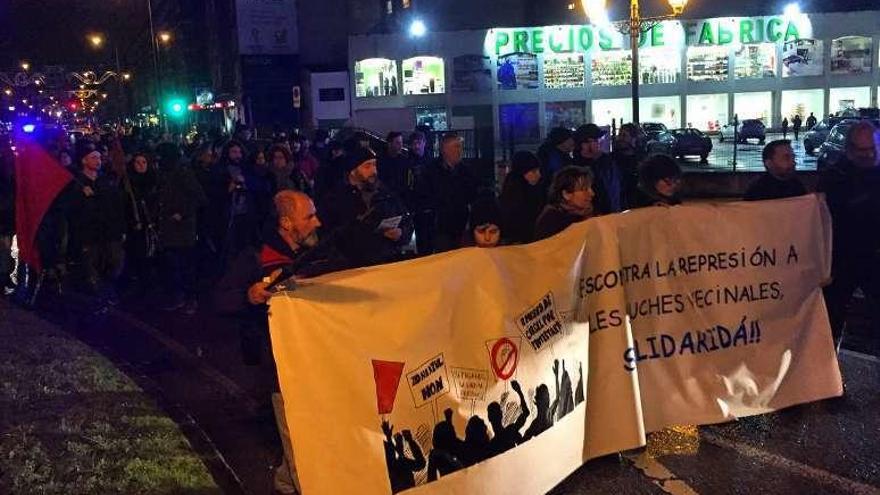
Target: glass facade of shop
{"type": "Point", "coordinates": [707, 112]}
{"type": "Point", "coordinates": [842, 99]}
{"type": "Point", "coordinates": [754, 105]}
{"type": "Point", "coordinates": [803, 102]}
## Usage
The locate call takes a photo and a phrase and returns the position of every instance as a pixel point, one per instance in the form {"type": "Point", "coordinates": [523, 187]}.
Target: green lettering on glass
{"type": "Point", "coordinates": [791, 32]}
{"type": "Point", "coordinates": [537, 41]}
{"type": "Point", "coordinates": [604, 40]}
{"type": "Point", "coordinates": [585, 37]}
{"type": "Point", "coordinates": [760, 30]}
{"type": "Point", "coordinates": [554, 43]}
{"type": "Point", "coordinates": [520, 38]}
{"type": "Point", "coordinates": [690, 32]}
{"type": "Point", "coordinates": [501, 40]}
{"type": "Point", "coordinates": [746, 31]}
{"type": "Point", "coordinates": [706, 37]}
{"type": "Point", "coordinates": [725, 36]}
{"type": "Point", "coordinates": [773, 32]}
{"type": "Point", "coordinates": [657, 35]}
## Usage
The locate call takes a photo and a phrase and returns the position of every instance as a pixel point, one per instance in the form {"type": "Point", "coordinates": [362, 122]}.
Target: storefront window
{"type": "Point", "coordinates": [617, 109]}
{"type": "Point", "coordinates": [518, 71]}
{"type": "Point", "coordinates": [519, 123]}
{"type": "Point", "coordinates": [843, 99]}
{"type": "Point", "coordinates": [755, 105]}
{"type": "Point", "coordinates": [756, 61]}
{"type": "Point", "coordinates": [803, 57]}
{"type": "Point", "coordinates": [612, 68]}
{"type": "Point", "coordinates": [707, 112]}
{"type": "Point", "coordinates": [659, 66]}
{"type": "Point", "coordinates": [568, 114]}
{"type": "Point", "coordinates": [851, 55]}
{"type": "Point", "coordinates": [423, 75]}
{"type": "Point", "coordinates": [663, 109]}
{"type": "Point", "coordinates": [707, 63]}
{"type": "Point", "coordinates": [436, 118]}
{"type": "Point", "coordinates": [564, 70]}
{"type": "Point", "coordinates": [803, 102]}
{"type": "Point", "coordinates": [471, 73]}
{"type": "Point", "coordinates": [375, 77]}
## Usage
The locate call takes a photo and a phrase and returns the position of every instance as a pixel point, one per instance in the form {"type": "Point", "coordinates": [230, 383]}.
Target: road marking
{"type": "Point", "coordinates": [659, 475]}
{"type": "Point", "coordinates": [859, 355]}
{"type": "Point", "coordinates": [818, 475]}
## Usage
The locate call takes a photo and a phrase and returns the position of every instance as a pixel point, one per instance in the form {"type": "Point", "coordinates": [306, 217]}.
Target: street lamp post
{"type": "Point", "coordinates": [634, 27]}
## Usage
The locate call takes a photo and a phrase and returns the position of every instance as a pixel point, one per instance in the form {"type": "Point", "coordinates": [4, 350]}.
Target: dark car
{"type": "Point", "coordinates": [747, 129]}
{"type": "Point", "coordinates": [653, 129]}
{"type": "Point", "coordinates": [681, 143]}
{"type": "Point", "coordinates": [818, 134]}
{"type": "Point", "coordinates": [834, 148]}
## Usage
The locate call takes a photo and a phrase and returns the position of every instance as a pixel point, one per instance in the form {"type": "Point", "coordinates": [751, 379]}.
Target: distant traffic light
{"type": "Point", "coordinates": [175, 107]}
{"type": "Point", "coordinates": [72, 106]}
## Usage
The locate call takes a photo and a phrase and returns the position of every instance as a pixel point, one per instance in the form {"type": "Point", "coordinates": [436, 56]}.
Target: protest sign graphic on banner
{"type": "Point", "coordinates": [536, 358]}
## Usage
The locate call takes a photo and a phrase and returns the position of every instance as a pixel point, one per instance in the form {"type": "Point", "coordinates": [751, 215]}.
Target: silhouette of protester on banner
{"type": "Point", "coordinates": [444, 457]}
{"type": "Point", "coordinates": [544, 414]}
{"type": "Point", "coordinates": [476, 446]}
{"type": "Point", "coordinates": [401, 469]}
{"type": "Point", "coordinates": [563, 390]}
{"type": "Point", "coordinates": [579, 392]}
{"type": "Point", "coordinates": [507, 437]}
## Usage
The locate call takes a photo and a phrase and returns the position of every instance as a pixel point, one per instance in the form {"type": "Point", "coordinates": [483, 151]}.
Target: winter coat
{"type": "Point", "coordinates": [553, 220]}
{"type": "Point", "coordinates": [446, 194]}
{"type": "Point", "coordinates": [98, 218]}
{"type": "Point", "coordinates": [769, 187]}
{"type": "Point", "coordinates": [521, 203]}
{"type": "Point", "coordinates": [181, 194]}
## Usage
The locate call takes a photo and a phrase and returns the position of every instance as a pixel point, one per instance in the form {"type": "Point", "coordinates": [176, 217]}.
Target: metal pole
{"type": "Point", "coordinates": [154, 47]}
{"type": "Point", "coordinates": [635, 29]}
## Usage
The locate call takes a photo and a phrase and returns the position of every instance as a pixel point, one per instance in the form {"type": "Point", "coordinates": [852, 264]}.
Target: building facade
{"type": "Point", "coordinates": [692, 73]}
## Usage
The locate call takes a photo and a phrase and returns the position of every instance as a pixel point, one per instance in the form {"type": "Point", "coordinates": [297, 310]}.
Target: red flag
{"type": "Point", "coordinates": [387, 376]}
{"type": "Point", "coordinates": [39, 179]}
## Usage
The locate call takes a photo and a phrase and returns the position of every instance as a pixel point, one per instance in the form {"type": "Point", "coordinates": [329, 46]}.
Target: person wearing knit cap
{"type": "Point", "coordinates": [608, 178]}
{"type": "Point", "coordinates": [555, 152]}
{"type": "Point", "coordinates": [484, 226]}
{"type": "Point", "coordinates": [523, 197]}
{"type": "Point", "coordinates": [371, 223]}
{"type": "Point", "coordinates": [659, 182]}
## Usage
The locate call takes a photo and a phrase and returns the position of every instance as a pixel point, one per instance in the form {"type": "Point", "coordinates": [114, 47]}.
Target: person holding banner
{"type": "Point", "coordinates": [570, 201]}
{"type": "Point", "coordinates": [780, 180]}
{"type": "Point", "coordinates": [852, 191]}
{"type": "Point", "coordinates": [659, 182]}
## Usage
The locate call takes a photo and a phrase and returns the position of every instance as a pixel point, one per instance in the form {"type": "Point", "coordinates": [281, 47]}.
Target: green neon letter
{"type": "Point", "coordinates": [773, 33]}
{"type": "Point", "coordinates": [746, 31]}
{"type": "Point", "coordinates": [604, 40]}
{"type": "Point", "coordinates": [791, 32]}
{"type": "Point", "coordinates": [690, 32]}
{"type": "Point", "coordinates": [657, 35]}
{"type": "Point", "coordinates": [520, 38]}
{"type": "Point", "coordinates": [537, 41]}
{"type": "Point", "coordinates": [725, 36]}
{"type": "Point", "coordinates": [706, 37]}
{"type": "Point", "coordinates": [585, 37]}
{"type": "Point", "coordinates": [553, 41]}
{"type": "Point", "coordinates": [501, 39]}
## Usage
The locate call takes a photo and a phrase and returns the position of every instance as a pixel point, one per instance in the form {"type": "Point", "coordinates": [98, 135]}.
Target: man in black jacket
{"type": "Point", "coordinates": [780, 180]}
{"type": "Point", "coordinates": [445, 191]}
{"type": "Point", "coordinates": [370, 221]}
{"type": "Point", "coordinates": [852, 189]}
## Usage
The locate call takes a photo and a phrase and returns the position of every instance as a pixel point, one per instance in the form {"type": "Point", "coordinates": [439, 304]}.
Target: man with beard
{"type": "Point", "coordinates": [780, 180]}
{"type": "Point", "coordinates": [370, 220]}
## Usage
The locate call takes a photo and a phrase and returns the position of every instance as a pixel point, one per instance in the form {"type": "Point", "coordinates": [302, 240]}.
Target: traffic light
{"type": "Point", "coordinates": [175, 107]}
{"type": "Point", "coordinates": [72, 106]}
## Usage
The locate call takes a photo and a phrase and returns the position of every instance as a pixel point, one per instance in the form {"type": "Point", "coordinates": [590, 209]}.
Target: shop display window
{"type": "Point", "coordinates": [663, 109]}
{"type": "Point", "coordinates": [843, 99]}
{"type": "Point", "coordinates": [659, 66]}
{"type": "Point", "coordinates": [707, 112]}
{"type": "Point", "coordinates": [756, 61]}
{"type": "Point", "coordinates": [375, 77]}
{"type": "Point", "coordinates": [754, 105]}
{"type": "Point", "coordinates": [518, 123]}
{"type": "Point", "coordinates": [471, 73]}
{"type": "Point", "coordinates": [564, 70]}
{"type": "Point", "coordinates": [612, 68]}
{"type": "Point", "coordinates": [435, 118]}
{"type": "Point", "coordinates": [615, 110]}
{"type": "Point", "coordinates": [518, 71]}
{"type": "Point", "coordinates": [568, 114]}
{"type": "Point", "coordinates": [851, 55]}
{"type": "Point", "coordinates": [707, 63]}
{"type": "Point", "coordinates": [803, 57]}
{"type": "Point", "coordinates": [803, 102]}
{"type": "Point", "coordinates": [423, 75]}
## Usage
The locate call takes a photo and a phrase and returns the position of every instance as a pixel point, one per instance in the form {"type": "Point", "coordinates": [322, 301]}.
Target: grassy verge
{"type": "Point", "coordinates": [71, 422]}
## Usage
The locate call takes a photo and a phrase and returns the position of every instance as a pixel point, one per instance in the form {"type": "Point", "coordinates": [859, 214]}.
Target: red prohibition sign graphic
{"type": "Point", "coordinates": [505, 357]}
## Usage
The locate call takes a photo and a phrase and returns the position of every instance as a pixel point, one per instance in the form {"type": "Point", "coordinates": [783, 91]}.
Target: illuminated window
{"type": "Point", "coordinates": [851, 55]}
{"type": "Point", "coordinates": [423, 75]}
{"type": "Point", "coordinates": [375, 77]}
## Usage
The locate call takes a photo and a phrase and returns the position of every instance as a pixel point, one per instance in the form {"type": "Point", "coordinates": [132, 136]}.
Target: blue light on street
{"type": "Point", "coordinates": [417, 28]}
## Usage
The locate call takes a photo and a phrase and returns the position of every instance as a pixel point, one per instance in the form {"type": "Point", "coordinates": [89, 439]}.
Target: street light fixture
{"type": "Point", "coordinates": [164, 37]}
{"type": "Point", "coordinates": [126, 76]}
{"type": "Point", "coordinates": [634, 27]}
{"type": "Point", "coordinates": [417, 29]}
{"type": "Point", "coordinates": [96, 40]}
{"type": "Point", "coordinates": [25, 66]}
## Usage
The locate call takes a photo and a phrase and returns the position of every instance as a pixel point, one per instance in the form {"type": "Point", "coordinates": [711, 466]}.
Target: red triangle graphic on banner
{"type": "Point", "coordinates": [387, 375]}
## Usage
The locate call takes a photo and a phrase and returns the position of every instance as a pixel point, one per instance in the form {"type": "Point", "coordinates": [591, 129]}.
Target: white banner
{"type": "Point", "coordinates": [267, 27]}
{"type": "Point", "coordinates": [467, 372]}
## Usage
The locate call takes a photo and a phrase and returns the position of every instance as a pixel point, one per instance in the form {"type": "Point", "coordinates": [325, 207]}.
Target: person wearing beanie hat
{"type": "Point", "coordinates": [608, 178]}
{"type": "Point", "coordinates": [370, 222]}
{"type": "Point", "coordinates": [659, 182]}
{"type": "Point", "coordinates": [484, 225]}
{"type": "Point", "coordinates": [523, 197]}
{"type": "Point", "coordinates": [555, 151]}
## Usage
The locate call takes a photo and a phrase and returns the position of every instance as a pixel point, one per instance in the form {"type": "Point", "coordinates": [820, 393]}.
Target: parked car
{"type": "Point", "coordinates": [747, 129]}
{"type": "Point", "coordinates": [653, 129]}
{"type": "Point", "coordinates": [834, 148]}
{"type": "Point", "coordinates": [818, 134]}
{"type": "Point", "coordinates": [681, 143]}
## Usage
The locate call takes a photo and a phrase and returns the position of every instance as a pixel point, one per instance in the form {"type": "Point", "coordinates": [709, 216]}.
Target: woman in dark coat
{"type": "Point", "coordinates": [522, 198]}
{"type": "Point", "coordinates": [141, 191]}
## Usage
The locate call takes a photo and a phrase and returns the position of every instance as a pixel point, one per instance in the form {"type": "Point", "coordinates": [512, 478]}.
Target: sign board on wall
{"type": "Point", "coordinates": [267, 27]}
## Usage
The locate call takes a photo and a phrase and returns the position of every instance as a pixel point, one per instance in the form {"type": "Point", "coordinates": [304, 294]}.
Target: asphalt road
{"type": "Point", "coordinates": [748, 156]}
{"type": "Point", "coordinates": [192, 366]}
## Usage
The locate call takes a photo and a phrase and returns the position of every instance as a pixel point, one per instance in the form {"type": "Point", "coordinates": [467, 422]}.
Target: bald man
{"type": "Point", "coordinates": [852, 188]}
